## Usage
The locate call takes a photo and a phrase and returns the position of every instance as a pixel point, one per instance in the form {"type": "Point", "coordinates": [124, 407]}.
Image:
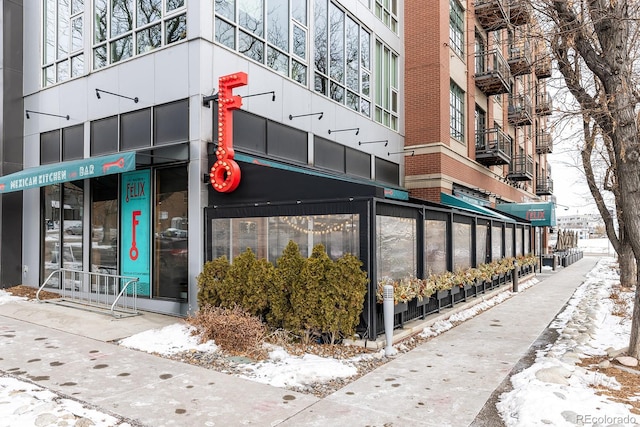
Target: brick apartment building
{"type": "Point", "coordinates": [477, 106]}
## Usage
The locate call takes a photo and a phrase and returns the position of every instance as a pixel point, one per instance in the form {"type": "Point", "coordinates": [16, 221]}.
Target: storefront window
{"type": "Point", "coordinates": [62, 213]}
{"type": "Point", "coordinates": [396, 247]}
{"type": "Point", "coordinates": [435, 246]}
{"type": "Point", "coordinates": [267, 237]}
{"type": "Point", "coordinates": [496, 242]}
{"type": "Point", "coordinates": [482, 233]}
{"type": "Point", "coordinates": [508, 241]}
{"type": "Point", "coordinates": [104, 224]}
{"type": "Point", "coordinates": [519, 248]}
{"type": "Point", "coordinates": [461, 246]}
{"type": "Point", "coordinates": [171, 230]}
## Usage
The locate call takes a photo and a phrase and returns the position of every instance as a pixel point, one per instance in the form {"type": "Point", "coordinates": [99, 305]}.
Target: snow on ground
{"type": "Point", "coordinates": [554, 390]}
{"type": "Point", "coordinates": [532, 401]}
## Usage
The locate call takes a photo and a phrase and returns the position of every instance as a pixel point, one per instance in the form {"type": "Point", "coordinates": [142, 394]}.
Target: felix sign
{"type": "Point", "coordinates": [225, 172]}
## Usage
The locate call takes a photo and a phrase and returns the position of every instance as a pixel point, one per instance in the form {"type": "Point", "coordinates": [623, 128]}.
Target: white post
{"type": "Point", "coordinates": [387, 308]}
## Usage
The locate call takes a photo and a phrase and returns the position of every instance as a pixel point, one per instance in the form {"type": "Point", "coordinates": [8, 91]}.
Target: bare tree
{"type": "Point", "coordinates": [595, 43]}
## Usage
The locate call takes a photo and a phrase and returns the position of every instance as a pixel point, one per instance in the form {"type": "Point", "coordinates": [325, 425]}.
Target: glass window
{"type": "Point", "coordinates": [482, 239]}
{"type": "Point", "coordinates": [456, 112]}
{"type": "Point", "coordinates": [461, 246]}
{"type": "Point", "coordinates": [104, 224]}
{"type": "Point", "coordinates": [268, 237]}
{"type": "Point", "coordinates": [50, 147]}
{"type": "Point", "coordinates": [135, 129]}
{"type": "Point", "coordinates": [62, 56]}
{"type": "Point", "coordinates": [396, 247]}
{"type": "Point", "coordinates": [329, 155]}
{"type": "Point", "coordinates": [508, 241]}
{"type": "Point", "coordinates": [387, 12]}
{"type": "Point", "coordinates": [249, 131]}
{"type": "Point", "coordinates": [104, 136]}
{"type": "Point", "coordinates": [435, 246]}
{"type": "Point", "coordinates": [357, 163]}
{"type": "Point", "coordinates": [386, 86]}
{"type": "Point", "coordinates": [124, 28]}
{"type": "Point", "coordinates": [171, 122]}
{"type": "Point", "coordinates": [171, 228]}
{"type": "Point", "coordinates": [456, 27]}
{"type": "Point", "coordinates": [496, 242]}
{"type": "Point", "coordinates": [519, 245]}
{"type": "Point", "coordinates": [286, 142]}
{"type": "Point", "coordinates": [387, 171]}
{"type": "Point", "coordinates": [63, 228]}
{"type": "Point", "coordinates": [73, 142]}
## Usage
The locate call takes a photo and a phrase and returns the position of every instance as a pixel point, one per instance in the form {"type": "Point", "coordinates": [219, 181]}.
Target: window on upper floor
{"type": "Point", "coordinates": [387, 12]}
{"type": "Point", "coordinates": [456, 113]}
{"type": "Point", "coordinates": [126, 28]}
{"type": "Point", "coordinates": [342, 51]}
{"type": "Point", "coordinates": [456, 27]}
{"type": "Point", "coordinates": [386, 86]}
{"type": "Point", "coordinates": [62, 56]}
{"type": "Point", "coordinates": [272, 32]}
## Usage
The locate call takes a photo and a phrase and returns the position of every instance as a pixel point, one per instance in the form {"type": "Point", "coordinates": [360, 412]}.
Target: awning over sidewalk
{"type": "Point", "coordinates": [457, 202]}
{"type": "Point", "coordinates": [541, 214]}
{"type": "Point", "coordinates": [72, 170]}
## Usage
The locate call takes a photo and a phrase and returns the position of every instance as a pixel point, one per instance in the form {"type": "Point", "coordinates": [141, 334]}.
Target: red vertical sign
{"type": "Point", "coordinates": [225, 172]}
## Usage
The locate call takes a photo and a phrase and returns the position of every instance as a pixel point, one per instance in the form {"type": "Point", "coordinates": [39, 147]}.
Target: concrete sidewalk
{"type": "Point", "coordinates": [444, 382]}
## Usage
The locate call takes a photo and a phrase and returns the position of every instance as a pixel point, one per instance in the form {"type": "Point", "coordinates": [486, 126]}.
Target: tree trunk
{"type": "Point", "coordinates": [628, 267]}
{"type": "Point", "coordinates": [634, 341]}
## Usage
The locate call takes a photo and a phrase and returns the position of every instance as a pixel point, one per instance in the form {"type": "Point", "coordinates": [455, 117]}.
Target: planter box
{"type": "Point", "coordinates": [469, 290]}
{"type": "Point", "coordinates": [445, 299]}
{"type": "Point", "coordinates": [400, 307]}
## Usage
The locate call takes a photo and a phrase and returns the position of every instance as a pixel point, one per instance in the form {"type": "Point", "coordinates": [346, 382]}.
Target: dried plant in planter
{"type": "Point", "coordinates": [235, 331]}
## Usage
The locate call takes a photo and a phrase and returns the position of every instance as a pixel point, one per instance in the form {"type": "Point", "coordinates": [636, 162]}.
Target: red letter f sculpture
{"type": "Point", "coordinates": [225, 172]}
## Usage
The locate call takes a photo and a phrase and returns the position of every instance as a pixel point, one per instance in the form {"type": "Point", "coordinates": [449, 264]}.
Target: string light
{"type": "Point", "coordinates": [319, 228]}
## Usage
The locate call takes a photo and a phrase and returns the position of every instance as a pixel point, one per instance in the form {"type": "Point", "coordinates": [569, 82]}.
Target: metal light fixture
{"type": "Point", "coordinates": [344, 130]}
{"type": "Point", "coordinates": [386, 142]}
{"type": "Point", "coordinates": [44, 114]}
{"type": "Point", "coordinates": [402, 152]}
{"type": "Point", "coordinates": [98, 91]}
{"type": "Point", "coordinates": [320, 115]}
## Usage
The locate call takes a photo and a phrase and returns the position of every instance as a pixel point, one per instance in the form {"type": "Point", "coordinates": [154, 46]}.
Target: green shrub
{"type": "Point", "coordinates": [313, 297]}
{"type": "Point", "coordinates": [307, 295]}
{"type": "Point", "coordinates": [344, 297]}
{"type": "Point", "coordinates": [287, 276]}
{"type": "Point", "coordinates": [259, 279]}
{"type": "Point", "coordinates": [234, 284]}
{"type": "Point", "coordinates": [210, 280]}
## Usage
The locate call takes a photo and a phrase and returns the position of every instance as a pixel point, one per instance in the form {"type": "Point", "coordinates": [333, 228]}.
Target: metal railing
{"type": "Point", "coordinates": [96, 291]}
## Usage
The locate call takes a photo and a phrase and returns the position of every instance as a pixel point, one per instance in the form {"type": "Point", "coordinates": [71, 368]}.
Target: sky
{"type": "Point", "coordinates": [532, 401]}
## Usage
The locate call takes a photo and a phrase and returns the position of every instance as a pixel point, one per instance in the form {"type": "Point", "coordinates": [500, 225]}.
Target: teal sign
{"type": "Point", "coordinates": [67, 171]}
{"type": "Point", "coordinates": [541, 214]}
{"type": "Point", "coordinates": [135, 208]}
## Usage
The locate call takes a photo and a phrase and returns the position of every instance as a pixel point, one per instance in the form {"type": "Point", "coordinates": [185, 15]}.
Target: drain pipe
{"type": "Point", "coordinates": [387, 308]}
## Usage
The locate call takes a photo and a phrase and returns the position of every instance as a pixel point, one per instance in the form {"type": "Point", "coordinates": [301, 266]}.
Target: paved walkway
{"type": "Point", "coordinates": [444, 382]}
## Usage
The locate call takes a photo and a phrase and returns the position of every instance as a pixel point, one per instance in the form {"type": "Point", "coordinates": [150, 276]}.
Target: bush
{"type": "Point", "coordinates": [288, 268]}
{"type": "Point", "coordinates": [314, 297]}
{"type": "Point", "coordinates": [210, 281]}
{"type": "Point", "coordinates": [235, 331]}
{"type": "Point", "coordinates": [234, 286]}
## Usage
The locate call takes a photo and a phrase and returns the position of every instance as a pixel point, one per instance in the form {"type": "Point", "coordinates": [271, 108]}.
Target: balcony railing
{"type": "Point", "coordinates": [544, 104]}
{"type": "Point", "coordinates": [520, 58]}
{"type": "Point", "coordinates": [520, 110]}
{"type": "Point", "coordinates": [491, 14]}
{"type": "Point", "coordinates": [519, 12]}
{"type": "Point", "coordinates": [521, 168]}
{"type": "Point", "coordinates": [544, 144]}
{"type": "Point", "coordinates": [493, 147]}
{"type": "Point", "coordinates": [543, 67]}
{"type": "Point", "coordinates": [492, 73]}
{"type": "Point", "coordinates": [544, 187]}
